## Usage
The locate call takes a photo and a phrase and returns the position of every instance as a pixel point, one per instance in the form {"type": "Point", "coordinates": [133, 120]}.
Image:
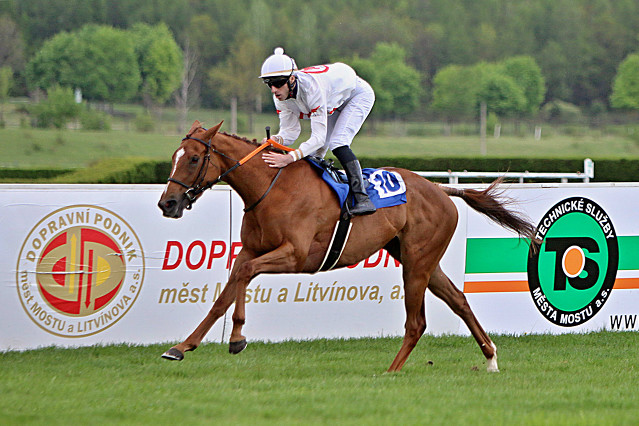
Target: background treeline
{"type": "Point", "coordinates": [577, 44]}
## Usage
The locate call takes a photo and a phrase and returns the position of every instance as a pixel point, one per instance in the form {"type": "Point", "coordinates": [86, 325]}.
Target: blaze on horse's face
{"type": "Point", "coordinates": [188, 168]}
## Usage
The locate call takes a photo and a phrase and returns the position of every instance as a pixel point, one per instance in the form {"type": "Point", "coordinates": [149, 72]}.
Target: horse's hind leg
{"type": "Point", "coordinates": [441, 286]}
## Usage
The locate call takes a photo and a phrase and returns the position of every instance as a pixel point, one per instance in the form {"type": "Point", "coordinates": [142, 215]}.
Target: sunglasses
{"type": "Point", "coordinates": [276, 81]}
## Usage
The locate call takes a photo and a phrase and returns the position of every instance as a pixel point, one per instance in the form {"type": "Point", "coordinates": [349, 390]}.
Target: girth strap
{"type": "Point", "coordinates": [252, 206]}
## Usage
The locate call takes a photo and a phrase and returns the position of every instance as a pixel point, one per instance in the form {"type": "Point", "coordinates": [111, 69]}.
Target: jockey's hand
{"type": "Point", "coordinates": [276, 160]}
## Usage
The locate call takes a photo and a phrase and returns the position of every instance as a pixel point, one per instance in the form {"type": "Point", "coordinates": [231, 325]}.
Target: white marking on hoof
{"type": "Point", "coordinates": [491, 363]}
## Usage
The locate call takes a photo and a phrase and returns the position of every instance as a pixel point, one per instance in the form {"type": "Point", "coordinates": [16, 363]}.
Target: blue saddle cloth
{"type": "Point", "coordinates": [385, 188]}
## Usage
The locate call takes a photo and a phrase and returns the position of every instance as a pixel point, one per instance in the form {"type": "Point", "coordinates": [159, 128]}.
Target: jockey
{"type": "Point", "coordinates": [336, 101]}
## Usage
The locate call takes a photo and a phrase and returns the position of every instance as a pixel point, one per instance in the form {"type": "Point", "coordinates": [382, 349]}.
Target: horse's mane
{"type": "Point", "coordinates": [242, 138]}
{"type": "Point", "coordinates": [253, 142]}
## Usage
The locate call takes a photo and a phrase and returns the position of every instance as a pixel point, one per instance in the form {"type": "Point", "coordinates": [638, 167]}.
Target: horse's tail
{"type": "Point", "coordinates": [493, 204]}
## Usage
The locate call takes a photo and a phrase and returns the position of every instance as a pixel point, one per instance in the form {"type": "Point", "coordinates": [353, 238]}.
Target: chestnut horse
{"type": "Point", "coordinates": [290, 222]}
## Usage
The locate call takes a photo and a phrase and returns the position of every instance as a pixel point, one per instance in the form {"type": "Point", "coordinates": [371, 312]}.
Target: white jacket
{"type": "Point", "coordinates": [320, 91]}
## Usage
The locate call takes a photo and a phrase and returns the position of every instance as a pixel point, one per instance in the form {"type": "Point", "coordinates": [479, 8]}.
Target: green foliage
{"type": "Point", "coordinates": [455, 91]}
{"type": "Point", "coordinates": [605, 170]}
{"type": "Point", "coordinates": [159, 59]}
{"type": "Point", "coordinates": [57, 109]}
{"type": "Point", "coordinates": [120, 171]}
{"type": "Point", "coordinates": [578, 45]}
{"type": "Point", "coordinates": [107, 70]}
{"type": "Point", "coordinates": [95, 120]}
{"type": "Point", "coordinates": [99, 60]}
{"type": "Point", "coordinates": [30, 175]}
{"type": "Point", "coordinates": [55, 63]}
{"type": "Point", "coordinates": [625, 92]}
{"type": "Point", "coordinates": [6, 81]}
{"type": "Point", "coordinates": [502, 95]}
{"type": "Point", "coordinates": [397, 85]}
{"type": "Point", "coordinates": [144, 123]}
{"type": "Point", "coordinates": [145, 171]}
{"type": "Point", "coordinates": [237, 76]}
{"type": "Point", "coordinates": [110, 64]}
{"type": "Point", "coordinates": [527, 75]}
{"type": "Point", "coordinates": [559, 111]}
{"type": "Point", "coordinates": [512, 87]}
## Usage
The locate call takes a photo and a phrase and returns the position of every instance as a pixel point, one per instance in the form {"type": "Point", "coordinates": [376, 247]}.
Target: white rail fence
{"type": "Point", "coordinates": [453, 177]}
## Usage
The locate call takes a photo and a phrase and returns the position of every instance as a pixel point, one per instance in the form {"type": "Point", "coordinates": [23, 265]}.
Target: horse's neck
{"type": "Point", "coordinates": [249, 179]}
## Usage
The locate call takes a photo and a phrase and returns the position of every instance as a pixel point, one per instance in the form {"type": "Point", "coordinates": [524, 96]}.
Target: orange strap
{"type": "Point", "coordinates": [269, 142]}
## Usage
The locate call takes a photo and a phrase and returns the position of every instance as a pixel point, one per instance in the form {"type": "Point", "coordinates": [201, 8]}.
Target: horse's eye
{"type": "Point", "coordinates": [195, 159]}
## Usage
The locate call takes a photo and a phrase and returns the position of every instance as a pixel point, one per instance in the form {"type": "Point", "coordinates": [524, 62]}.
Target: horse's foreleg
{"type": "Point", "coordinates": [280, 260]}
{"type": "Point", "coordinates": [220, 306]}
{"type": "Point", "coordinates": [442, 287]}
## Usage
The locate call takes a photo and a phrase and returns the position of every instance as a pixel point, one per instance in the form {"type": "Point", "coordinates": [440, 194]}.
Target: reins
{"type": "Point", "coordinates": [193, 191]}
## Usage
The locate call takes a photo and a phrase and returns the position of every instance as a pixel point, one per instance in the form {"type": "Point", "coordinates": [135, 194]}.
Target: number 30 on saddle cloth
{"type": "Point", "coordinates": [385, 189]}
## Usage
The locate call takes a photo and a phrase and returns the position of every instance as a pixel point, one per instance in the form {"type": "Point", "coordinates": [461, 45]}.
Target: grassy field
{"type": "Point", "coordinates": [561, 380]}
{"type": "Point", "coordinates": [29, 147]}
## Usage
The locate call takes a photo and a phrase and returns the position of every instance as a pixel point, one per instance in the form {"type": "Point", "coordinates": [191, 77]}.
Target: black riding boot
{"type": "Point", "coordinates": [363, 204]}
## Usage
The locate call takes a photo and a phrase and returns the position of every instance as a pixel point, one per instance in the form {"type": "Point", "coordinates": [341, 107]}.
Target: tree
{"type": "Point", "coordinates": [237, 77]}
{"type": "Point", "coordinates": [455, 91]}
{"type": "Point", "coordinates": [502, 95]}
{"type": "Point", "coordinates": [625, 90]}
{"type": "Point", "coordinates": [57, 109]}
{"type": "Point", "coordinates": [6, 80]}
{"type": "Point", "coordinates": [527, 75]}
{"type": "Point", "coordinates": [160, 62]}
{"type": "Point", "coordinates": [55, 63]}
{"type": "Point", "coordinates": [184, 95]}
{"type": "Point", "coordinates": [107, 69]}
{"type": "Point", "coordinates": [98, 60]}
{"type": "Point", "coordinates": [11, 45]}
{"type": "Point", "coordinates": [397, 85]}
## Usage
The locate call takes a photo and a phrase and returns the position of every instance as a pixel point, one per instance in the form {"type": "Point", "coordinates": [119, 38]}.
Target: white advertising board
{"type": "Point", "coordinates": [88, 264]}
{"type": "Point", "coordinates": [585, 277]}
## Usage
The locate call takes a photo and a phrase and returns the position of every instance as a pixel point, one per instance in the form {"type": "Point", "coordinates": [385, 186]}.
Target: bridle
{"type": "Point", "coordinates": [198, 187]}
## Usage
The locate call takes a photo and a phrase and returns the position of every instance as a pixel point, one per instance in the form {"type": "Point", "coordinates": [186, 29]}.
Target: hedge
{"type": "Point", "coordinates": [143, 171]}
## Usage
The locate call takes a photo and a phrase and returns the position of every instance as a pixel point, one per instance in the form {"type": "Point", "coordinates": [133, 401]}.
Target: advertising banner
{"type": "Point", "coordinates": [585, 275]}
{"type": "Point", "coordinates": [99, 264]}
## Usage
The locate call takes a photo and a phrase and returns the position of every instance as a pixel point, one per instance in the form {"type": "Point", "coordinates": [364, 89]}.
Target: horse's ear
{"type": "Point", "coordinates": [196, 125]}
{"type": "Point", "coordinates": [212, 131]}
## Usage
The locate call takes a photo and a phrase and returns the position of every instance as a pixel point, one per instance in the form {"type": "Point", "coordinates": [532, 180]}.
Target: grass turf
{"type": "Point", "coordinates": [568, 379]}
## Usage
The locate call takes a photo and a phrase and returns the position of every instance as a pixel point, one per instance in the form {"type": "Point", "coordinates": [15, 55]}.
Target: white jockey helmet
{"type": "Point", "coordinates": [278, 65]}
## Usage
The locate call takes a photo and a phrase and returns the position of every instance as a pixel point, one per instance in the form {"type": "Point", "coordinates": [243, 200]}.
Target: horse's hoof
{"type": "Point", "coordinates": [237, 347]}
{"type": "Point", "coordinates": [173, 355]}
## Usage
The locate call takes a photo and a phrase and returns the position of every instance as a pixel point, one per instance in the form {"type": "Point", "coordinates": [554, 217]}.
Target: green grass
{"type": "Point", "coordinates": [77, 148]}
{"type": "Point", "coordinates": [29, 147]}
{"type": "Point", "coordinates": [564, 380]}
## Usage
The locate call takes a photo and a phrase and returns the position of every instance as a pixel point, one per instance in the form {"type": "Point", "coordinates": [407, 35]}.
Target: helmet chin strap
{"type": "Point", "coordinates": [292, 88]}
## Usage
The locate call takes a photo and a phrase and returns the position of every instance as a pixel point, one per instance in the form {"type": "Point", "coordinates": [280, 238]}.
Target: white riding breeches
{"type": "Point", "coordinates": [344, 123]}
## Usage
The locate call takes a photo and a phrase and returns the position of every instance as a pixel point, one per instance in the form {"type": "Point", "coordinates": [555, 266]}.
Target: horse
{"type": "Point", "coordinates": [287, 228]}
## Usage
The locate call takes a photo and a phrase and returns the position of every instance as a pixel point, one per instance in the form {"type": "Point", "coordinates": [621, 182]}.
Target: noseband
{"type": "Point", "coordinates": [198, 187]}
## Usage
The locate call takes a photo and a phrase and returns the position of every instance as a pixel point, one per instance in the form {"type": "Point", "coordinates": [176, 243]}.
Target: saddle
{"type": "Point", "coordinates": [385, 189]}
{"type": "Point", "coordinates": [329, 166]}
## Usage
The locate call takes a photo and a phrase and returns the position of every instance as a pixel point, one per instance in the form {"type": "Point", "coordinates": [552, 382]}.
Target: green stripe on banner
{"type": "Point", "coordinates": [495, 255]}
{"type": "Point", "coordinates": [628, 252]}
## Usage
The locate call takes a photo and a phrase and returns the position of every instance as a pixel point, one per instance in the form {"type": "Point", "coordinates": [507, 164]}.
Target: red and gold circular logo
{"type": "Point", "coordinates": [79, 271]}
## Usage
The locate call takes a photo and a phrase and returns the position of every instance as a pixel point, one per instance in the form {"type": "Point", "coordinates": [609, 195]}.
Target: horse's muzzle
{"type": "Point", "coordinates": [172, 207]}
